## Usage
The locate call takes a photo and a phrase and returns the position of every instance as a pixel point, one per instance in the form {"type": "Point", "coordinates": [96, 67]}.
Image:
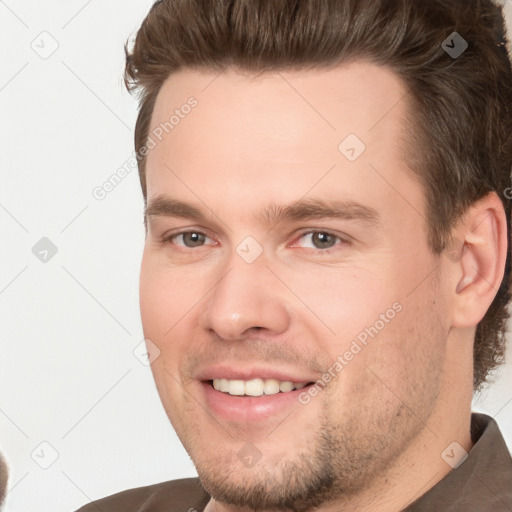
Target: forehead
{"type": "Point", "coordinates": [354, 97]}
{"type": "Point", "coordinates": [278, 132]}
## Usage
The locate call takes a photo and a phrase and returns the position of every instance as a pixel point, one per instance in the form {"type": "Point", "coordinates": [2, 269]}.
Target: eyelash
{"type": "Point", "coordinates": [339, 241]}
{"type": "Point", "coordinates": [166, 240]}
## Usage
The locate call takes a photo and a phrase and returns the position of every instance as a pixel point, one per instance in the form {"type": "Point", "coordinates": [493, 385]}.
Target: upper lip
{"type": "Point", "coordinates": [237, 372]}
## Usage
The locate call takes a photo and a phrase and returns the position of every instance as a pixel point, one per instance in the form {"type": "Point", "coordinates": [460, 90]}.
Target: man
{"type": "Point", "coordinates": [326, 274]}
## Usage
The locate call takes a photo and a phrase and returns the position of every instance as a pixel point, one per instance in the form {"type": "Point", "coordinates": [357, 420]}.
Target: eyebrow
{"type": "Point", "coordinates": [300, 210]}
{"type": "Point", "coordinates": [306, 209]}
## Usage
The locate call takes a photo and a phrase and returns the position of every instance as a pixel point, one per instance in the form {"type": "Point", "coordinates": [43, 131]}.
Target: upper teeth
{"type": "Point", "coordinates": [255, 387]}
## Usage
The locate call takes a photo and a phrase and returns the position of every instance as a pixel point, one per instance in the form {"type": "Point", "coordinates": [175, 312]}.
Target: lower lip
{"type": "Point", "coordinates": [248, 408]}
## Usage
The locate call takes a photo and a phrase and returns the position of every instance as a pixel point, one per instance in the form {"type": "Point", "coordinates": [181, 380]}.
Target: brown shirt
{"type": "Point", "coordinates": [482, 483]}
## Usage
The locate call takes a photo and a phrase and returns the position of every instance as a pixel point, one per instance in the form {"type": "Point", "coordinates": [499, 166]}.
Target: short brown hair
{"type": "Point", "coordinates": [462, 115]}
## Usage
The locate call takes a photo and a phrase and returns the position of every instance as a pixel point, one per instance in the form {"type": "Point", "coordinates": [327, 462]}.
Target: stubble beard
{"type": "Point", "coordinates": [349, 455]}
{"type": "Point", "coordinates": [341, 462]}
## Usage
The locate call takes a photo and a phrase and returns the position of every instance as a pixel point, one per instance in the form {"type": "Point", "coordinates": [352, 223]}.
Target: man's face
{"type": "Point", "coordinates": [278, 254]}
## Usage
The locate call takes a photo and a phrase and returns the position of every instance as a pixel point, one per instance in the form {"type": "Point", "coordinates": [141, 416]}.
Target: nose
{"type": "Point", "coordinates": [249, 298]}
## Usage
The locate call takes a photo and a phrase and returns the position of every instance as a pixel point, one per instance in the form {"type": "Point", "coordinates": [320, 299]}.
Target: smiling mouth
{"type": "Point", "coordinates": [256, 387]}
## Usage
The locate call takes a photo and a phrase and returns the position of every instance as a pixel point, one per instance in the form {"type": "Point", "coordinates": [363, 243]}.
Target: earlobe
{"type": "Point", "coordinates": [479, 269]}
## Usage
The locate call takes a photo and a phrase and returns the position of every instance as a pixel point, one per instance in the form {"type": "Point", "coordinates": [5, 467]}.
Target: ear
{"type": "Point", "coordinates": [477, 258]}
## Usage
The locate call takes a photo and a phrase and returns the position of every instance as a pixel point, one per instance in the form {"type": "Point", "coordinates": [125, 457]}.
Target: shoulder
{"type": "Point", "coordinates": [182, 495]}
{"type": "Point", "coordinates": [483, 480]}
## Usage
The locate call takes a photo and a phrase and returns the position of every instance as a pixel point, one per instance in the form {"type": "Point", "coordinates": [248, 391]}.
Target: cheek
{"type": "Point", "coordinates": [167, 297]}
{"type": "Point", "coordinates": [380, 315]}
{"type": "Point", "coordinates": [337, 304]}
{"type": "Point", "coordinates": [167, 300]}
{"type": "Point", "coordinates": [155, 302]}
{"type": "Point", "coordinates": [405, 358]}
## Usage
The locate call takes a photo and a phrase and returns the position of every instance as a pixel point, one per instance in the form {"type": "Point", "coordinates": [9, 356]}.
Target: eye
{"type": "Point", "coordinates": [188, 239]}
{"type": "Point", "coordinates": [318, 240]}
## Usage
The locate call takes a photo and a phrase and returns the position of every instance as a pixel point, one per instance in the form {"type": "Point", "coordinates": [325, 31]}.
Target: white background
{"type": "Point", "coordinates": [68, 375]}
